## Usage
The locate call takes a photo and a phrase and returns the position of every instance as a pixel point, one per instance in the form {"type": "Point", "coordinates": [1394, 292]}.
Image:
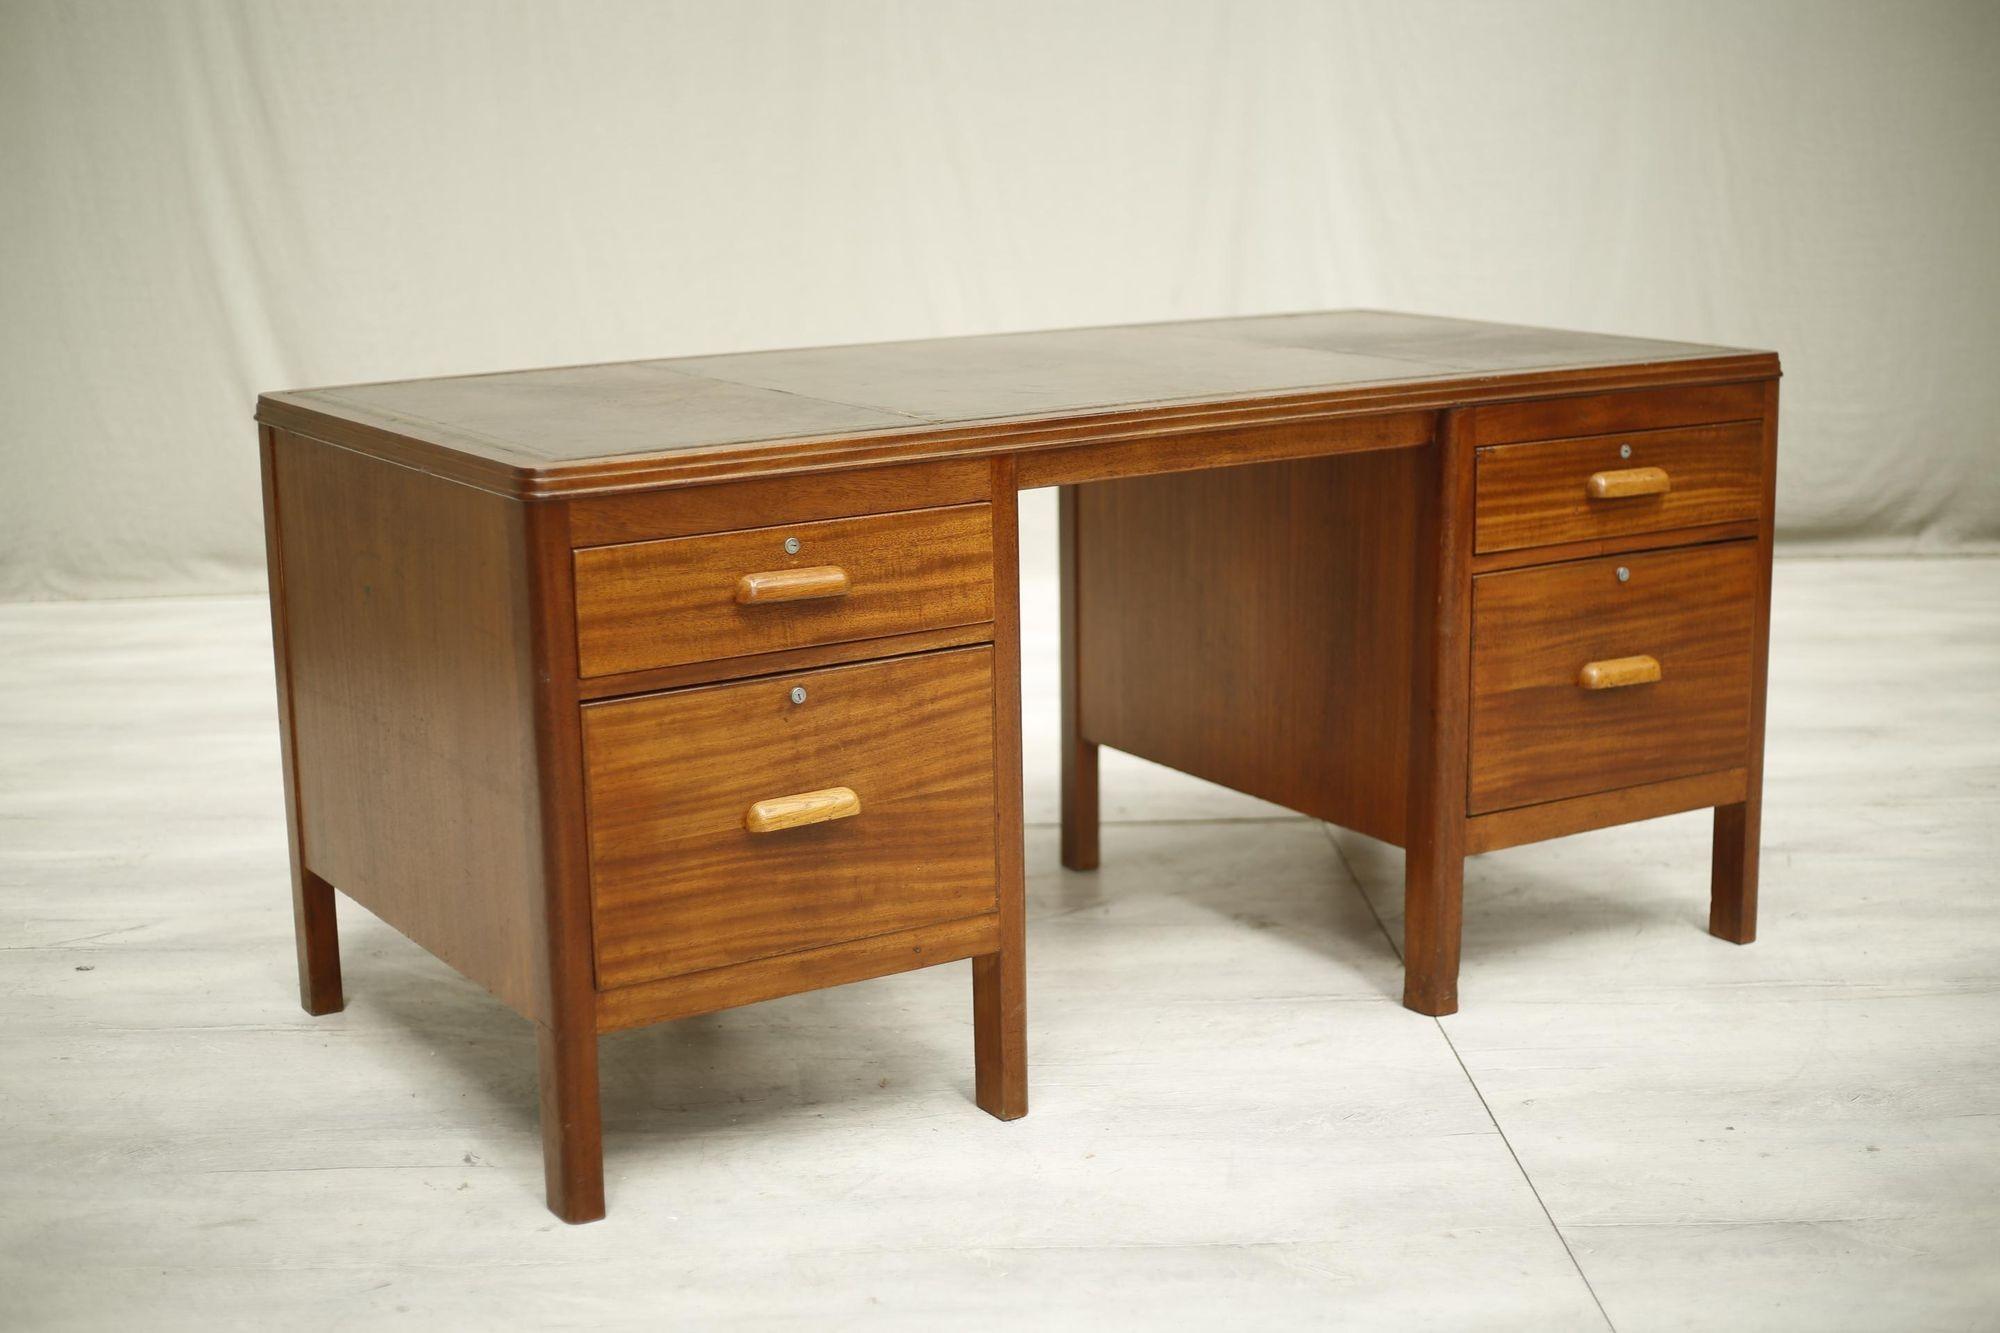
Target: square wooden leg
{"type": "Point", "coordinates": [572, 1124]}
{"type": "Point", "coordinates": [1000, 980]}
{"type": "Point", "coordinates": [1079, 756]}
{"type": "Point", "coordinates": [1440, 678]}
{"type": "Point", "coordinates": [1732, 880]}
{"type": "Point", "coordinates": [1000, 1033]}
{"type": "Point", "coordinates": [1079, 797]}
{"type": "Point", "coordinates": [1433, 893]}
{"type": "Point", "coordinates": [318, 939]}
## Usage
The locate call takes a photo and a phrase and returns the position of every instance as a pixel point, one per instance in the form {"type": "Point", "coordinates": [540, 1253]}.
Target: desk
{"type": "Point", "coordinates": [643, 690]}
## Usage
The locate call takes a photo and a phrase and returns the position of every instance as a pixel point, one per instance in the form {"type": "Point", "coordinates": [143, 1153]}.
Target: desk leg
{"type": "Point", "coordinates": [1000, 980]}
{"type": "Point", "coordinates": [572, 1124]}
{"type": "Point", "coordinates": [1732, 880]}
{"type": "Point", "coordinates": [1079, 756]}
{"type": "Point", "coordinates": [1440, 672]}
{"type": "Point", "coordinates": [313, 926]}
{"type": "Point", "coordinates": [318, 940]}
{"type": "Point", "coordinates": [566, 1026]}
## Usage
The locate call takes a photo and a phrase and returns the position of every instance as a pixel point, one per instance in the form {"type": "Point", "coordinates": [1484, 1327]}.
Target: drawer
{"type": "Point", "coordinates": [676, 781]}
{"type": "Point", "coordinates": [1541, 732]}
{"type": "Point", "coordinates": [1615, 485]}
{"type": "Point", "coordinates": [1612, 413]}
{"type": "Point", "coordinates": [696, 599]}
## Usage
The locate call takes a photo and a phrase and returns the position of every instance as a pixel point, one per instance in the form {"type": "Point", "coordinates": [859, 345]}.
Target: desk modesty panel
{"type": "Point", "coordinates": [643, 690]}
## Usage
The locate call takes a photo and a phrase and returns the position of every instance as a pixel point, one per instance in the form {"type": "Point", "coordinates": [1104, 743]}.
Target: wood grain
{"type": "Point", "coordinates": [1556, 418]}
{"type": "Point", "coordinates": [1078, 778]}
{"type": "Point", "coordinates": [1538, 494]}
{"type": "Point", "coordinates": [482, 572]}
{"type": "Point", "coordinates": [1441, 644]}
{"type": "Point", "coordinates": [1152, 455]}
{"type": "Point", "coordinates": [1538, 736]}
{"type": "Point", "coordinates": [1244, 625]}
{"type": "Point", "coordinates": [572, 1122]}
{"type": "Point", "coordinates": [1000, 978]}
{"type": "Point", "coordinates": [689, 511]}
{"type": "Point", "coordinates": [408, 629]}
{"type": "Point", "coordinates": [1579, 814]}
{"type": "Point", "coordinates": [680, 886]}
{"type": "Point", "coordinates": [789, 974]}
{"type": "Point", "coordinates": [1732, 913]}
{"type": "Point", "coordinates": [316, 934]}
{"type": "Point", "coordinates": [1137, 390]}
{"type": "Point", "coordinates": [665, 603]}
{"type": "Point", "coordinates": [315, 930]}
{"type": "Point", "coordinates": [566, 1030]}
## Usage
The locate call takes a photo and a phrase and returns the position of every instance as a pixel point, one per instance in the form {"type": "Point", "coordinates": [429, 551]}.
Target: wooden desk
{"type": "Point", "coordinates": [643, 690]}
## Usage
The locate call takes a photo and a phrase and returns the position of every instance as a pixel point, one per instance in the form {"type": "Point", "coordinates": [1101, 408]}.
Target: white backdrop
{"type": "Point", "coordinates": [202, 200]}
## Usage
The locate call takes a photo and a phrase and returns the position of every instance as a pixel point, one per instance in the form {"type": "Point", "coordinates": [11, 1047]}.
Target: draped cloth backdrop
{"type": "Point", "coordinates": [202, 199]}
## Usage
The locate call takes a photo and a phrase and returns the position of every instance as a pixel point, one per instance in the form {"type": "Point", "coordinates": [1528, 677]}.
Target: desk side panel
{"type": "Point", "coordinates": [408, 628]}
{"type": "Point", "coordinates": [1251, 626]}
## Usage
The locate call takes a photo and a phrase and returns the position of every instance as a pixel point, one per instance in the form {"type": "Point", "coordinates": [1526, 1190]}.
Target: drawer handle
{"type": "Point", "coordinates": [1629, 482]}
{"type": "Point", "coordinates": [811, 807]}
{"type": "Point", "coordinates": [792, 585]}
{"type": "Point", "coordinates": [1615, 673]}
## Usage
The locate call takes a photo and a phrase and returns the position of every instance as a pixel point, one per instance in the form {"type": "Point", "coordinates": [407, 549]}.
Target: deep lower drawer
{"type": "Point", "coordinates": [735, 822]}
{"type": "Point", "coordinates": [1583, 682]}
{"type": "Point", "coordinates": [1616, 485]}
{"type": "Point", "coordinates": [731, 594]}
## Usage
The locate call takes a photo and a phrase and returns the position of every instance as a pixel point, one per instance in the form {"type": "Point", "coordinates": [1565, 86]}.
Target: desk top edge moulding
{"type": "Point", "coordinates": [615, 426]}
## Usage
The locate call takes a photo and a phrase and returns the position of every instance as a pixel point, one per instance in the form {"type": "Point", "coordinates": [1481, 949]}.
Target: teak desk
{"type": "Point", "coordinates": [638, 691]}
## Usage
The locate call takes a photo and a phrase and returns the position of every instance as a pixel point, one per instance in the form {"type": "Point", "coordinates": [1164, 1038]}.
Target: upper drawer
{"type": "Point", "coordinates": [695, 599]}
{"type": "Point", "coordinates": [1614, 485]}
{"type": "Point", "coordinates": [1624, 410]}
{"type": "Point", "coordinates": [1585, 681]}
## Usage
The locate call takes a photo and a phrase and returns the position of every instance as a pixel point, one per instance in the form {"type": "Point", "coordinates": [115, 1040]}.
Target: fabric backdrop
{"type": "Point", "coordinates": [199, 201]}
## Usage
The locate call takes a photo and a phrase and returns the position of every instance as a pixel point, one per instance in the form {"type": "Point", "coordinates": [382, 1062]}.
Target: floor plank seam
{"type": "Point", "coordinates": [1473, 1083]}
{"type": "Point", "coordinates": [1527, 1179]}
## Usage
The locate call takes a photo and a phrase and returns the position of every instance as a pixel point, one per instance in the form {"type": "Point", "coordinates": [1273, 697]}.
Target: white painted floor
{"type": "Point", "coordinates": [1630, 1125]}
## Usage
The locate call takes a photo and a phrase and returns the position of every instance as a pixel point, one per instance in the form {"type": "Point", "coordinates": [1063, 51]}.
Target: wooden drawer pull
{"type": "Point", "coordinates": [1617, 672]}
{"type": "Point", "coordinates": [811, 807]}
{"type": "Point", "coordinates": [792, 585]}
{"type": "Point", "coordinates": [1629, 482]}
